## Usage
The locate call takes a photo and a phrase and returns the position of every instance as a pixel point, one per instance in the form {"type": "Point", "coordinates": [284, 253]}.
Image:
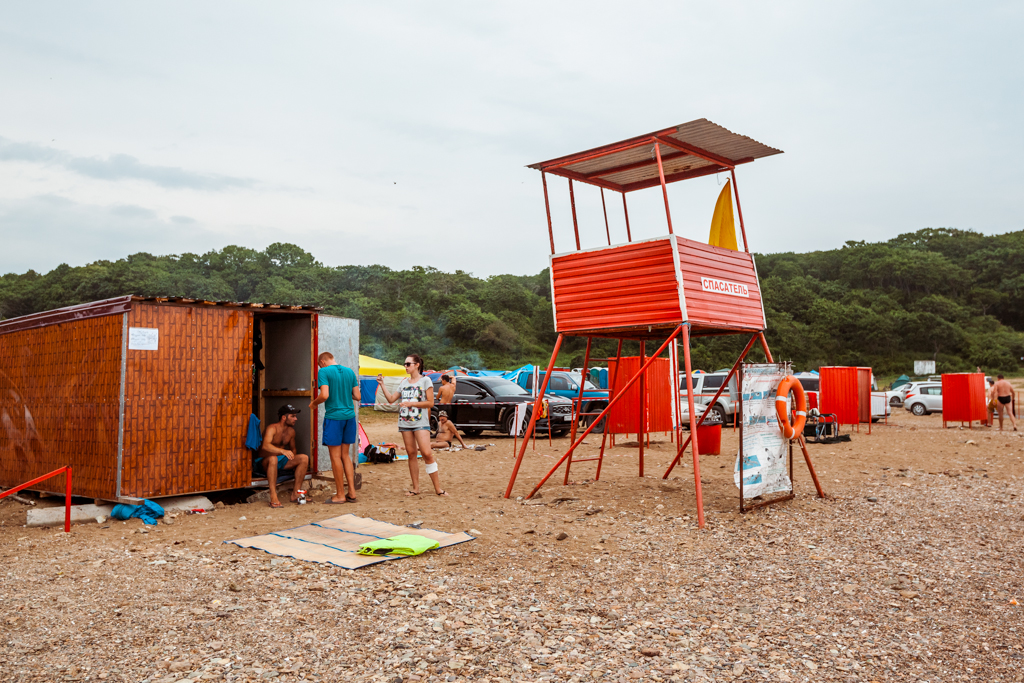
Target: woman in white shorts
{"type": "Point", "coordinates": [417, 395]}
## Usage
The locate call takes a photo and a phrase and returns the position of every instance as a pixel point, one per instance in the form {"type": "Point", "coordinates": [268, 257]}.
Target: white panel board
{"type": "Point", "coordinates": [340, 336]}
{"type": "Point", "coordinates": [765, 452]}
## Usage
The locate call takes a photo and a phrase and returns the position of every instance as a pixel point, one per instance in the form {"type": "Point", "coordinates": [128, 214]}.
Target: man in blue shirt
{"type": "Point", "coordinates": [339, 392]}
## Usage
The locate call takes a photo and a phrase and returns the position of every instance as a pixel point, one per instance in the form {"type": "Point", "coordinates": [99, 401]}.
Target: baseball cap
{"type": "Point", "coordinates": [287, 408]}
{"type": "Point", "coordinates": [442, 413]}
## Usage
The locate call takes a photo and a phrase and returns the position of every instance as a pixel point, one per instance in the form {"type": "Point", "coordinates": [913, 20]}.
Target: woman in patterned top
{"type": "Point", "coordinates": [417, 395]}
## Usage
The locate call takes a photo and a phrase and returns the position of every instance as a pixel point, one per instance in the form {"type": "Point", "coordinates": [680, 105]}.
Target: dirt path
{"type": "Point", "coordinates": [920, 585]}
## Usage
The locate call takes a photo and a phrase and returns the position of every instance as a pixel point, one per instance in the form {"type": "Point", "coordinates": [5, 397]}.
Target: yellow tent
{"type": "Point", "coordinates": [723, 230]}
{"type": "Point", "coordinates": [371, 367]}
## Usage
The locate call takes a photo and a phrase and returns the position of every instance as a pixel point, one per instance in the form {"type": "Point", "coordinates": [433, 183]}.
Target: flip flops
{"type": "Point", "coordinates": [350, 499]}
{"type": "Point", "coordinates": [276, 505]}
{"type": "Point", "coordinates": [335, 502]}
{"type": "Point", "coordinates": [410, 494]}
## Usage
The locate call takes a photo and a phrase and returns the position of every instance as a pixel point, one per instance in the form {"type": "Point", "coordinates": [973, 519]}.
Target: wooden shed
{"type": "Point", "coordinates": [151, 397]}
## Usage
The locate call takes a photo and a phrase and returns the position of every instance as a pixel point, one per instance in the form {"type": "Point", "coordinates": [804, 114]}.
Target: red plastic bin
{"type": "Point", "coordinates": [709, 439]}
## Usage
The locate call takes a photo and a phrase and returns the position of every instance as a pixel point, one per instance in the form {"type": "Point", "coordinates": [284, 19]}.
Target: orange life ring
{"type": "Point", "coordinates": [790, 383]}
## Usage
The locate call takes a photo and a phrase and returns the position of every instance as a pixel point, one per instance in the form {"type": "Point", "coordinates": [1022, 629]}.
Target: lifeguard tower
{"type": "Point", "coordinates": [667, 289]}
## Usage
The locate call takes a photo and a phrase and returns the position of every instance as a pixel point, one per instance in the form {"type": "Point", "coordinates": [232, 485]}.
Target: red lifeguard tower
{"type": "Point", "coordinates": [668, 288]}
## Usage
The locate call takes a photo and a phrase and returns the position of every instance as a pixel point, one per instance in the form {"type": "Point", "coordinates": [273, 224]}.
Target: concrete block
{"type": "Point", "coordinates": [55, 516]}
{"type": "Point", "coordinates": [81, 514]}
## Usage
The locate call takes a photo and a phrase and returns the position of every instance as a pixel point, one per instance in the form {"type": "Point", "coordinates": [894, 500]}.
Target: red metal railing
{"type": "Point", "coordinates": [67, 491]}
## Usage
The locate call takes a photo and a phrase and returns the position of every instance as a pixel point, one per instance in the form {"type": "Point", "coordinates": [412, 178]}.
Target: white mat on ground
{"type": "Point", "coordinates": [336, 540]}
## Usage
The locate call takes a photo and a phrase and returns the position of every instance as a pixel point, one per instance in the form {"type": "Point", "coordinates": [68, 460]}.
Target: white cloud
{"type": "Point", "coordinates": [398, 133]}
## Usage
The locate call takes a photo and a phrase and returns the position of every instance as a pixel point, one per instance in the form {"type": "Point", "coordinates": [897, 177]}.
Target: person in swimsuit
{"type": "Point", "coordinates": [446, 395]}
{"type": "Point", "coordinates": [446, 431]}
{"type": "Point", "coordinates": [278, 453]}
{"type": "Point", "coordinates": [417, 395]}
{"type": "Point", "coordinates": [1003, 392]}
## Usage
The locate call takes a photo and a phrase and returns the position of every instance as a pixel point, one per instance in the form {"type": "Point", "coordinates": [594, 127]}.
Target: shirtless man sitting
{"type": "Point", "coordinates": [278, 453]}
{"type": "Point", "coordinates": [446, 431]}
{"type": "Point", "coordinates": [1003, 393]}
{"type": "Point", "coordinates": [446, 395]}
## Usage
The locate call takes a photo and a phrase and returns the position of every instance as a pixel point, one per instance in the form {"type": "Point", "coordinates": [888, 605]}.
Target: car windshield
{"type": "Point", "coordinates": [810, 383]}
{"type": "Point", "coordinates": [587, 386]}
{"type": "Point", "coordinates": [502, 387]}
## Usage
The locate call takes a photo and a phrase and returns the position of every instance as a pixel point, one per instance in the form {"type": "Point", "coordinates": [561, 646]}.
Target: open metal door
{"type": "Point", "coordinates": [340, 336]}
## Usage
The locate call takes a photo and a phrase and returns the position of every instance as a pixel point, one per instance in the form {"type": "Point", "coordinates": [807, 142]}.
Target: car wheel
{"type": "Point", "coordinates": [585, 420]}
{"type": "Point", "coordinates": [472, 431]}
{"type": "Point", "coordinates": [918, 409]}
{"type": "Point", "coordinates": [895, 402]}
{"type": "Point", "coordinates": [720, 412]}
{"type": "Point", "coordinates": [509, 421]}
{"type": "Point", "coordinates": [434, 426]}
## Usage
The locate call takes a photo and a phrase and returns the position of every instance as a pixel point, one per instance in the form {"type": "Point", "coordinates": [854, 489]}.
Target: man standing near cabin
{"type": "Point", "coordinates": [278, 453]}
{"type": "Point", "coordinates": [339, 391]}
{"type": "Point", "coordinates": [446, 395]}
{"type": "Point", "coordinates": [1002, 392]}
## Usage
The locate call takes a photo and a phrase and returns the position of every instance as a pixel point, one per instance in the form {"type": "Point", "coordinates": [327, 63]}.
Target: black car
{"type": "Point", "coordinates": [489, 403]}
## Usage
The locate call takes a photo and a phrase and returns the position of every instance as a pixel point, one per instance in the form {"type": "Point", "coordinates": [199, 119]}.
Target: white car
{"type": "Point", "coordinates": [923, 398]}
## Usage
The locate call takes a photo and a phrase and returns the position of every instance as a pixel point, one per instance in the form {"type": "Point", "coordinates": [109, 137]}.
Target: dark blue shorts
{"type": "Point", "coordinates": [339, 432]}
{"type": "Point", "coordinates": [282, 460]}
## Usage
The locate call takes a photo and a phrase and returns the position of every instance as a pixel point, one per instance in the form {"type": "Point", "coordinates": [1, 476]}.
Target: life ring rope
{"type": "Point", "coordinates": [791, 384]}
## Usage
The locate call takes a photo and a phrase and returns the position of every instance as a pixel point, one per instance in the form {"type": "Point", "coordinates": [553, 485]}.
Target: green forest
{"type": "Point", "coordinates": [955, 296]}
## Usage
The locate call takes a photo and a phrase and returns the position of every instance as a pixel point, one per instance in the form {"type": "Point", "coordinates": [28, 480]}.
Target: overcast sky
{"type": "Point", "coordinates": [397, 133]}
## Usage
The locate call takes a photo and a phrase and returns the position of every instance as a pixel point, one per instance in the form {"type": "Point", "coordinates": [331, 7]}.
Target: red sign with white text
{"type": "Point", "coordinates": [710, 284]}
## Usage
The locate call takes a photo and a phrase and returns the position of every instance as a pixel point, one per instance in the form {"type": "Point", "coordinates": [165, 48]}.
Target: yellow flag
{"type": "Point", "coordinates": [723, 230]}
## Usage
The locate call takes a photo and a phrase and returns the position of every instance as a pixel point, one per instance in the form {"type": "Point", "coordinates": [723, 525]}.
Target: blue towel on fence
{"type": "Point", "coordinates": [253, 438]}
{"type": "Point", "coordinates": [148, 512]}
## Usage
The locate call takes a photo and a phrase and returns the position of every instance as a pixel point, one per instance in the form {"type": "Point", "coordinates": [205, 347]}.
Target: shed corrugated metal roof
{"type": "Point", "coordinates": [123, 304]}
{"type": "Point", "coordinates": [688, 150]}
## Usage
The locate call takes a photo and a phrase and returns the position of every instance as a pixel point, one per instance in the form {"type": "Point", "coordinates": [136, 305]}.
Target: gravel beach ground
{"type": "Point", "coordinates": [909, 571]}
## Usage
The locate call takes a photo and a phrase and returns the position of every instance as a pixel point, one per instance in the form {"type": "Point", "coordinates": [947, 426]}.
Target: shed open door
{"type": "Point", "coordinates": [340, 336]}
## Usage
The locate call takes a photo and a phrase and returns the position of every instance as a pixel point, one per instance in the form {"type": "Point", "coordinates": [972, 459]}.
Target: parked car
{"type": "Point", "coordinates": [924, 398]}
{"type": "Point", "coordinates": [567, 385]}
{"type": "Point", "coordinates": [912, 388]}
{"type": "Point", "coordinates": [483, 403]}
{"type": "Point", "coordinates": [705, 385]}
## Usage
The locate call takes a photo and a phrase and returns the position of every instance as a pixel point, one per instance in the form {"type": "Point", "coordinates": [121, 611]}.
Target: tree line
{"type": "Point", "coordinates": [955, 296]}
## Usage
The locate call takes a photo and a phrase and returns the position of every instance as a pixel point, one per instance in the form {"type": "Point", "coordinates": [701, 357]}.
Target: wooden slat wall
{"type": "Point", "coordinates": [187, 404]}
{"type": "Point", "coordinates": [59, 396]}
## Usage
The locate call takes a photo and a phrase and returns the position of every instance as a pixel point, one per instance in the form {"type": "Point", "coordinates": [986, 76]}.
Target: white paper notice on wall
{"type": "Point", "coordinates": [143, 338]}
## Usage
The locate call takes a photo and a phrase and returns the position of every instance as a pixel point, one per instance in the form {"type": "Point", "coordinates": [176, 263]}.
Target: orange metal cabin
{"type": "Point", "coordinates": [655, 285]}
{"type": "Point", "coordinates": [147, 398]}
{"type": "Point", "coordinates": [964, 398]}
{"type": "Point", "coordinates": [667, 289]}
{"type": "Point", "coordinates": [845, 391]}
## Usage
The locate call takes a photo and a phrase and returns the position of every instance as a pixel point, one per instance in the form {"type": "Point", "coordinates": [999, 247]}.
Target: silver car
{"type": "Point", "coordinates": [923, 398]}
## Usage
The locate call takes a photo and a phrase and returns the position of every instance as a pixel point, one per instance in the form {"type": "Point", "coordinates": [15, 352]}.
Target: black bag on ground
{"type": "Point", "coordinates": [379, 456]}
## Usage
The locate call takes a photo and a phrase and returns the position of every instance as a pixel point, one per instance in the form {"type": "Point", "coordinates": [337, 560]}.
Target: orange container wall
{"type": "Point", "coordinates": [963, 397]}
{"type": "Point", "coordinates": [59, 403]}
{"type": "Point", "coordinates": [187, 404]}
{"type": "Point", "coordinates": [624, 417]}
{"type": "Point", "coordinates": [720, 287]}
{"type": "Point", "coordinates": [618, 287]}
{"type": "Point", "coordinates": [840, 393]}
{"type": "Point", "coordinates": [864, 394]}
